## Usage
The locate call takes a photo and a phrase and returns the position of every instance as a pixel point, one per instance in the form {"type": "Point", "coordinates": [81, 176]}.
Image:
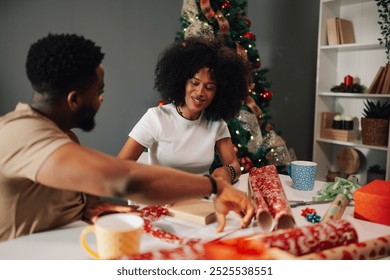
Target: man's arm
{"type": "Point", "coordinates": [78, 168]}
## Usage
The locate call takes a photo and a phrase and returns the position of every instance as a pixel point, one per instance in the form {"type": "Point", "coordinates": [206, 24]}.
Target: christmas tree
{"type": "Point", "coordinates": [256, 143]}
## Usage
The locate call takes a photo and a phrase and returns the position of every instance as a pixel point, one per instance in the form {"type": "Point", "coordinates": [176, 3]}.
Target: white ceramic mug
{"type": "Point", "coordinates": [116, 235]}
{"type": "Point", "coordinates": [303, 174]}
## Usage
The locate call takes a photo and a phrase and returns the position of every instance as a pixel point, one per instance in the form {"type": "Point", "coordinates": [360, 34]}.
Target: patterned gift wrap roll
{"type": "Point", "coordinates": [312, 238]}
{"type": "Point", "coordinates": [231, 249]}
{"type": "Point", "coordinates": [264, 182]}
{"type": "Point", "coordinates": [367, 250]}
{"type": "Point", "coordinates": [263, 215]}
{"type": "Point", "coordinates": [336, 208]}
{"type": "Point", "coordinates": [188, 252]}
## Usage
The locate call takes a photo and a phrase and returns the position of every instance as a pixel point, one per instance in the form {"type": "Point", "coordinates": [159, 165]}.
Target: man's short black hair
{"type": "Point", "coordinates": [59, 63]}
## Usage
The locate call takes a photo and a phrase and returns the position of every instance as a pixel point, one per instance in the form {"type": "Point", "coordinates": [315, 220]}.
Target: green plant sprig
{"type": "Point", "coordinates": [384, 23]}
{"type": "Point", "coordinates": [376, 110]}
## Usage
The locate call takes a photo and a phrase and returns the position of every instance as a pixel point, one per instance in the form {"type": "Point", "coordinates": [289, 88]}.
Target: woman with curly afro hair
{"type": "Point", "coordinates": [203, 83]}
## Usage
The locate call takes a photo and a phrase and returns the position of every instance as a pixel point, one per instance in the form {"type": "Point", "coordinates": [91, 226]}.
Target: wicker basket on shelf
{"type": "Point", "coordinates": [375, 124]}
{"type": "Point", "coordinates": [375, 132]}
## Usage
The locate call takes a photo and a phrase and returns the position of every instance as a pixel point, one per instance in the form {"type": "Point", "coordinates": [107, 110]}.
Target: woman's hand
{"type": "Point", "coordinates": [222, 172]}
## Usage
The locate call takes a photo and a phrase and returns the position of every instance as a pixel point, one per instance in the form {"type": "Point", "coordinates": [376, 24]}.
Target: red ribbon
{"type": "Point", "coordinates": [153, 213]}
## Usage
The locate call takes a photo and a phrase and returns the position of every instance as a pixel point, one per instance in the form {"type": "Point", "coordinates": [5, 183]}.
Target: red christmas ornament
{"type": "Point", "coordinates": [257, 64]}
{"type": "Point", "coordinates": [226, 4]}
{"type": "Point", "coordinates": [249, 35]}
{"type": "Point", "coordinates": [267, 95]}
{"type": "Point", "coordinates": [247, 22]}
{"type": "Point", "coordinates": [224, 27]}
{"type": "Point", "coordinates": [246, 163]}
{"type": "Point", "coordinates": [161, 103]}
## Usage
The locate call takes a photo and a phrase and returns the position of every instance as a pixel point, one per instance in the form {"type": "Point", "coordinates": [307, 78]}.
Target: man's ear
{"type": "Point", "coordinates": [74, 100]}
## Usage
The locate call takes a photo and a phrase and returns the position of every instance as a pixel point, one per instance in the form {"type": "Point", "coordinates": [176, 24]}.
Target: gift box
{"type": "Point", "coordinates": [372, 202]}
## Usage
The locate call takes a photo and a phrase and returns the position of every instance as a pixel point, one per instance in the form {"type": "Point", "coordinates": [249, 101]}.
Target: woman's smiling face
{"type": "Point", "coordinates": [199, 93]}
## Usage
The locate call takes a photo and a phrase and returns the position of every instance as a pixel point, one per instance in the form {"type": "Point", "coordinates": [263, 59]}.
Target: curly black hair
{"type": "Point", "coordinates": [183, 59]}
{"type": "Point", "coordinates": [59, 63]}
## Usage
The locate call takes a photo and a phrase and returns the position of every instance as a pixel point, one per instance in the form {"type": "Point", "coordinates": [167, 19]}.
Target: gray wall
{"type": "Point", "coordinates": [286, 37]}
{"type": "Point", "coordinates": [132, 34]}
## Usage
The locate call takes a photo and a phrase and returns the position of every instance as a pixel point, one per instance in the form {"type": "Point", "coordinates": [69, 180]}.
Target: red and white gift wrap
{"type": "Point", "coordinates": [312, 238]}
{"type": "Point", "coordinates": [188, 252]}
{"type": "Point", "coordinates": [265, 185]}
{"type": "Point", "coordinates": [290, 243]}
{"type": "Point", "coordinates": [263, 215]}
{"type": "Point", "coordinates": [367, 250]}
{"type": "Point", "coordinates": [153, 213]}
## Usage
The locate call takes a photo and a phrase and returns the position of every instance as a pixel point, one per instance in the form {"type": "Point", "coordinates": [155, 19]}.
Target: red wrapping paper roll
{"type": "Point", "coordinates": [282, 244]}
{"type": "Point", "coordinates": [263, 215]}
{"type": "Point", "coordinates": [312, 238]}
{"type": "Point", "coordinates": [367, 250]}
{"type": "Point", "coordinates": [264, 182]}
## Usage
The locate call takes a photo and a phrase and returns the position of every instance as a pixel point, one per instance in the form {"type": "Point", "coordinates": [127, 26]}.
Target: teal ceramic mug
{"type": "Point", "coordinates": [303, 174]}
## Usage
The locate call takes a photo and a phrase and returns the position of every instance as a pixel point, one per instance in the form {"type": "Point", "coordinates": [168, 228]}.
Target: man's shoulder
{"type": "Point", "coordinates": [24, 115]}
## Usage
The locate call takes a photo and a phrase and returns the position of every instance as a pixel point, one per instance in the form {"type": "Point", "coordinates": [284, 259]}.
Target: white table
{"type": "Point", "coordinates": [63, 243]}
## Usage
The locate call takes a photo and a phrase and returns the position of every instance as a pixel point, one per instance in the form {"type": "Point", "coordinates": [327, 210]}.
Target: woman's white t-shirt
{"type": "Point", "coordinates": [177, 142]}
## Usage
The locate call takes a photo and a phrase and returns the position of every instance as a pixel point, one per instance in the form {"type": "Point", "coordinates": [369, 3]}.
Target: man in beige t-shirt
{"type": "Point", "coordinates": [28, 138]}
{"type": "Point", "coordinates": [45, 172]}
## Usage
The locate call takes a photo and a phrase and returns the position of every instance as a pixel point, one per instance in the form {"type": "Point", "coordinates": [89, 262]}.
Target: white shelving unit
{"type": "Point", "coordinates": [361, 60]}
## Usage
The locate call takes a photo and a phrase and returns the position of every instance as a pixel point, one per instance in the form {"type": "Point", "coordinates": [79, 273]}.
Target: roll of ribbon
{"type": "Point", "coordinates": [336, 208]}
{"type": "Point", "coordinates": [367, 250]}
{"type": "Point", "coordinates": [265, 182]}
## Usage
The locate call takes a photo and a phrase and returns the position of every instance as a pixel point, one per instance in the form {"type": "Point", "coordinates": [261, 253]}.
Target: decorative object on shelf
{"type": "Point", "coordinates": [328, 132]}
{"type": "Point", "coordinates": [337, 122]}
{"type": "Point", "coordinates": [375, 123]}
{"type": "Point", "coordinates": [348, 86]}
{"type": "Point", "coordinates": [348, 80]}
{"type": "Point", "coordinates": [348, 123]}
{"type": "Point", "coordinates": [348, 160]}
{"type": "Point", "coordinates": [384, 23]}
{"type": "Point", "coordinates": [381, 82]}
{"type": "Point", "coordinates": [339, 31]}
{"type": "Point", "coordinates": [375, 172]}
{"type": "Point", "coordinates": [332, 175]}
{"type": "Point", "coordinates": [340, 122]}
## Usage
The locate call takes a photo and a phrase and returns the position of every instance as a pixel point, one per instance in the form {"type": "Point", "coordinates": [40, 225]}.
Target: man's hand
{"type": "Point", "coordinates": [232, 199]}
{"type": "Point", "coordinates": [95, 208]}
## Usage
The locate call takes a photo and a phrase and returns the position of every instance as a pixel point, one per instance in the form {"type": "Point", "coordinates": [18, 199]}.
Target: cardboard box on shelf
{"type": "Point", "coordinates": [328, 132]}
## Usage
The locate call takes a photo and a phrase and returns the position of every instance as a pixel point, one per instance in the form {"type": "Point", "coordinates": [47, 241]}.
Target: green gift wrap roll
{"type": "Point", "coordinates": [336, 208]}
